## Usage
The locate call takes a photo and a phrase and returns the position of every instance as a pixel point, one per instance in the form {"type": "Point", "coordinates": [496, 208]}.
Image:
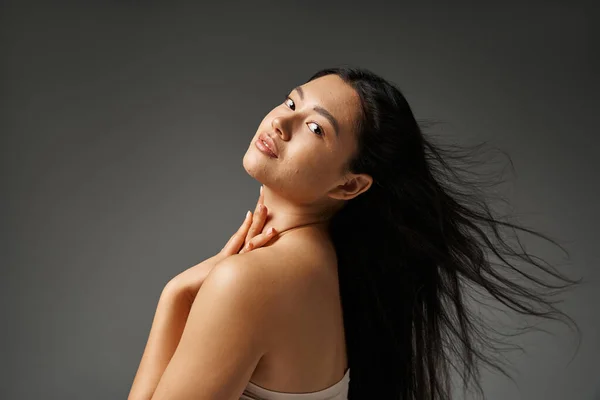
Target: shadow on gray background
{"type": "Point", "coordinates": [124, 126]}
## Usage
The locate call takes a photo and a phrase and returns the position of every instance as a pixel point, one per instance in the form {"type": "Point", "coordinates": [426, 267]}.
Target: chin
{"type": "Point", "coordinates": [252, 164]}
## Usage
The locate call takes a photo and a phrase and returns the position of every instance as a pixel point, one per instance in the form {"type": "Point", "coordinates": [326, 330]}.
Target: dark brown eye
{"type": "Point", "coordinates": [287, 99]}
{"type": "Point", "coordinates": [318, 131]}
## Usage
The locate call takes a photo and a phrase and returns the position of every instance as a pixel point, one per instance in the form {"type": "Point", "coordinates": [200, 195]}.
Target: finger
{"type": "Point", "coordinates": [259, 240]}
{"type": "Point", "coordinates": [250, 220]}
{"type": "Point", "coordinates": [236, 238]}
{"type": "Point", "coordinates": [258, 222]}
{"type": "Point", "coordinates": [261, 197]}
{"type": "Point", "coordinates": [260, 200]}
{"type": "Point", "coordinates": [260, 216]}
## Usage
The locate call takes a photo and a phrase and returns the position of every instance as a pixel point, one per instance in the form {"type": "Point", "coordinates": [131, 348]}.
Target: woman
{"type": "Point", "coordinates": [359, 293]}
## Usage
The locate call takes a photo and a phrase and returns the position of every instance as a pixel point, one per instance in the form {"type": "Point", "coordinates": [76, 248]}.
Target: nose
{"type": "Point", "coordinates": [278, 126]}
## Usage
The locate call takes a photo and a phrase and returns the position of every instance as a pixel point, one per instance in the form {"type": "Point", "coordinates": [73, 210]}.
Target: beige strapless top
{"type": "Point", "coordinates": [338, 391]}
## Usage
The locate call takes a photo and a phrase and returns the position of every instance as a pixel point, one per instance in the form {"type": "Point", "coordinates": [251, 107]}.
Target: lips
{"type": "Point", "coordinates": [269, 143]}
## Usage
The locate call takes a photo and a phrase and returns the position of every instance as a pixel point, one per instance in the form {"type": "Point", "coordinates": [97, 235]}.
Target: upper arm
{"type": "Point", "coordinates": [225, 335]}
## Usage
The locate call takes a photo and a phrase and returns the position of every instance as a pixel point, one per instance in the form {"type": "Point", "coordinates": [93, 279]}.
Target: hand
{"type": "Point", "coordinates": [248, 237]}
{"type": "Point", "coordinates": [177, 299]}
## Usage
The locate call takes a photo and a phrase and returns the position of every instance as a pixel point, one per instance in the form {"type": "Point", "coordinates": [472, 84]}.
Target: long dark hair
{"type": "Point", "coordinates": [412, 247]}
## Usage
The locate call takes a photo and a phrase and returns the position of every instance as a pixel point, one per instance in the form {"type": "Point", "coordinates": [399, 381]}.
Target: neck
{"type": "Point", "coordinates": [285, 216]}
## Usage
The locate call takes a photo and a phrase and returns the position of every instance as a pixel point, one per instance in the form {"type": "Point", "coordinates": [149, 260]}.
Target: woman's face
{"type": "Point", "coordinates": [313, 132]}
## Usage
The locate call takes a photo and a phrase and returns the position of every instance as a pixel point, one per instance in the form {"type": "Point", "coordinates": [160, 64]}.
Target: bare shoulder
{"type": "Point", "coordinates": [288, 270]}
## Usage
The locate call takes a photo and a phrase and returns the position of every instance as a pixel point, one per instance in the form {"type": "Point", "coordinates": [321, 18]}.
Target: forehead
{"type": "Point", "coordinates": [337, 97]}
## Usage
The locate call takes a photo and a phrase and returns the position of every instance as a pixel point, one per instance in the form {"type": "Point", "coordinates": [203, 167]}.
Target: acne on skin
{"type": "Point", "coordinates": [312, 131]}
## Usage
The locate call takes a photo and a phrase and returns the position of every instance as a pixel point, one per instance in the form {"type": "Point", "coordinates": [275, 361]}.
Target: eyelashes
{"type": "Point", "coordinates": [318, 131]}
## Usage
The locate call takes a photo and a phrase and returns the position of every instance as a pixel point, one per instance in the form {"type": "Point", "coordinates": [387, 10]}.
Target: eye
{"type": "Point", "coordinates": [318, 130]}
{"type": "Point", "coordinates": [287, 99]}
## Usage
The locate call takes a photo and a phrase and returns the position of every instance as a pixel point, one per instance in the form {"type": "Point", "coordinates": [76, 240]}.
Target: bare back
{"type": "Point", "coordinates": [309, 352]}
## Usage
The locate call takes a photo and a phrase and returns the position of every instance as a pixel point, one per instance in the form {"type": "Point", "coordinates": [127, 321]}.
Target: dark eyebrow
{"type": "Point", "coordinates": [322, 111]}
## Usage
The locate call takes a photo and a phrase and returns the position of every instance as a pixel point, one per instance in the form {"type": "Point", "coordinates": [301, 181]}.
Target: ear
{"type": "Point", "coordinates": [353, 186]}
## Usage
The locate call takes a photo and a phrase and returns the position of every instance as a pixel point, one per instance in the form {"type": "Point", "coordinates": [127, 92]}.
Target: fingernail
{"type": "Point", "coordinates": [247, 214]}
{"type": "Point", "coordinates": [260, 189]}
{"type": "Point", "coordinates": [270, 231]}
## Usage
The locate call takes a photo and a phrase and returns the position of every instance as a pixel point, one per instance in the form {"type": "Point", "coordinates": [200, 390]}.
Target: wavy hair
{"type": "Point", "coordinates": [415, 247]}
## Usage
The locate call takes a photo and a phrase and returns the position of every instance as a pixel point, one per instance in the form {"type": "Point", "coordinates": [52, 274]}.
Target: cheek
{"type": "Point", "coordinates": [311, 169]}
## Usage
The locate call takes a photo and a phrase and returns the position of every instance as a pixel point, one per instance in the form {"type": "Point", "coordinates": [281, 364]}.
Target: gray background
{"type": "Point", "coordinates": [124, 126]}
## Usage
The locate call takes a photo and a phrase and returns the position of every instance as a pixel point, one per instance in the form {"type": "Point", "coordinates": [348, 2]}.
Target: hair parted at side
{"type": "Point", "coordinates": [412, 248]}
